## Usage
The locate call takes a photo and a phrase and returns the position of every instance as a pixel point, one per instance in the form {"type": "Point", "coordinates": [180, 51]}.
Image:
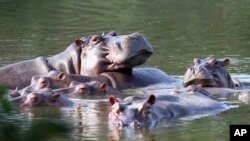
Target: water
{"type": "Point", "coordinates": [179, 30]}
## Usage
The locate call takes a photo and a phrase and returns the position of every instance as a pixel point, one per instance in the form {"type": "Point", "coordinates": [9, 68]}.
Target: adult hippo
{"type": "Point", "coordinates": [210, 72]}
{"type": "Point", "coordinates": [140, 112]}
{"type": "Point", "coordinates": [90, 55]}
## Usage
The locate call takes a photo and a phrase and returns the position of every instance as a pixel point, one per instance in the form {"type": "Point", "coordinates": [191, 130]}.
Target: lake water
{"type": "Point", "coordinates": [179, 30]}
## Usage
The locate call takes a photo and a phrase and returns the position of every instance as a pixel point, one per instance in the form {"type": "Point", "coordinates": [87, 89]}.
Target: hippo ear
{"type": "Point", "coordinates": [212, 61]}
{"type": "Point", "coordinates": [61, 76]}
{"type": "Point", "coordinates": [151, 99]}
{"type": "Point", "coordinates": [79, 43]}
{"type": "Point", "coordinates": [103, 86]}
{"type": "Point", "coordinates": [56, 95]}
{"type": "Point", "coordinates": [112, 100]}
{"type": "Point", "coordinates": [197, 60]}
{"type": "Point", "coordinates": [226, 62]}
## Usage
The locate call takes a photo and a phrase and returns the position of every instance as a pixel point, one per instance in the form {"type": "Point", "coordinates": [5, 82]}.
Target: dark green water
{"type": "Point", "coordinates": [179, 30]}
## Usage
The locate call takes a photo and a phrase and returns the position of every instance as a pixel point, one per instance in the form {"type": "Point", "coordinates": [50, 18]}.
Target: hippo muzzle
{"type": "Point", "coordinates": [112, 52]}
{"type": "Point", "coordinates": [198, 75]}
{"type": "Point", "coordinates": [129, 50]}
{"type": "Point", "coordinates": [209, 72]}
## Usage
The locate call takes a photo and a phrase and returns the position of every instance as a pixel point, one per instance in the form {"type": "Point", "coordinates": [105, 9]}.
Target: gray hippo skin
{"type": "Point", "coordinates": [140, 112]}
{"type": "Point", "coordinates": [138, 77]}
{"type": "Point", "coordinates": [210, 72]}
{"type": "Point", "coordinates": [83, 90]}
{"type": "Point", "coordinates": [91, 55]}
{"type": "Point", "coordinates": [44, 97]}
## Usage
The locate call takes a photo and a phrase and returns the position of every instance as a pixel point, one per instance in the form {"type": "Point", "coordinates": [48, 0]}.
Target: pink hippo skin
{"type": "Point", "coordinates": [83, 90]}
{"type": "Point", "coordinates": [135, 78]}
{"type": "Point", "coordinates": [150, 112]}
{"type": "Point", "coordinates": [44, 97]}
{"type": "Point", "coordinates": [90, 56]}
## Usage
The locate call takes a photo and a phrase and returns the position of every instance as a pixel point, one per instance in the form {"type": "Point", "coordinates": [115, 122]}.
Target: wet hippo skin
{"type": "Point", "coordinates": [87, 89]}
{"type": "Point", "coordinates": [44, 97]}
{"type": "Point", "coordinates": [210, 72]}
{"type": "Point", "coordinates": [90, 56]}
{"type": "Point", "coordinates": [138, 77]}
{"type": "Point", "coordinates": [140, 112]}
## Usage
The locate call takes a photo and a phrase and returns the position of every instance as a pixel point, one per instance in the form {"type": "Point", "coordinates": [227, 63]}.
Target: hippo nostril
{"type": "Point", "coordinates": [118, 45]}
{"type": "Point", "coordinates": [192, 70]}
{"type": "Point", "coordinates": [82, 89]}
{"type": "Point", "coordinates": [136, 125]}
{"type": "Point", "coordinates": [32, 98]}
{"type": "Point", "coordinates": [42, 82]}
{"type": "Point", "coordinates": [119, 124]}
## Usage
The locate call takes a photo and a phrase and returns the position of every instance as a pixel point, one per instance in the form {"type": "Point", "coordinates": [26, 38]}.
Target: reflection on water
{"type": "Point", "coordinates": [179, 31]}
{"type": "Point", "coordinates": [88, 120]}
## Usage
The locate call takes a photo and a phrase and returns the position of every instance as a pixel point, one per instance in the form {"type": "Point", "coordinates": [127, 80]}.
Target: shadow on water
{"type": "Point", "coordinates": [179, 31]}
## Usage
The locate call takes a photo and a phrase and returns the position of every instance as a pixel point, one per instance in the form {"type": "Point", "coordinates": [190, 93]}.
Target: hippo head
{"type": "Point", "coordinates": [41, 98]}
{"type": "Point", "coordinates": [209, 72]}
{"type": "Point", "coordinates": [81, 90]}
{"type": "Point", "coordinates": [135, 114]}
{"type": "Point", "coordinates": [112, 52]}
{"type": "Point", "coordinates": [53, 79]}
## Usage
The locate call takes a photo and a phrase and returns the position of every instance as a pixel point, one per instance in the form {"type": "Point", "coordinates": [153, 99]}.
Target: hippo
{"type": "Point", "coordinates": [138, 112]}
{"type": "Point", "coordinates": [90, 56]}
{"type": "Point", "coordinates": [210, 72]}
{"type": "Point", "coordinates": [92, 88]}
{"type": "Point", "coordinates": [116, 81]}
{"type": "Point", "coordinates": [75, 90]}
{"type": "Point", "coordinates": [44, 97]}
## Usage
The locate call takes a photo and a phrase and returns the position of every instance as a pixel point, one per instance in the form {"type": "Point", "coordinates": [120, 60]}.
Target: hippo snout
{"type": "Point", "coordinates": [82, 89]}
{"type": "Point", "coordinates": [130, 50]}
{"type": "Point", "coordinates": [31, 100]}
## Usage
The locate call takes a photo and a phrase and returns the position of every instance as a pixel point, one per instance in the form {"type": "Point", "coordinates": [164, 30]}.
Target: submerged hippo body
{"type": "Point", "coordinates": [116, 81]}
{"type": "Point", "coordinates": [141, 112]}
{"type": "Point", "coordinates": [90, 56]}
{"type": "Point", "coordinates": [210, 72]}
{"type": "Point", "coordinates": [83, 90]}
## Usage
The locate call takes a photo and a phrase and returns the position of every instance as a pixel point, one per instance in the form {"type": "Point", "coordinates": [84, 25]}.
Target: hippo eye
{"type": "Point", "coordinates": [215, 76]}
{"type": "Point", "coordinates": [52, 100]}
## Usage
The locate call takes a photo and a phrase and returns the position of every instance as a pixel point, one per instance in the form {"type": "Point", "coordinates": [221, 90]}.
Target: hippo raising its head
{"type": "Point", "coordinates": [111, 52]}
{"type": "Point", "coordinates": [209, 72]}
{"type": "Point", "coordinates": [89, 55]}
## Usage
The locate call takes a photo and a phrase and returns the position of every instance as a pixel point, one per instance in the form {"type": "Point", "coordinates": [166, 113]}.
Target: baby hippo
{"type": "Point", "coordinates": [210, 72]}
{"type": "Point", "coordinates": [81, 90]}
{"type": "Point", "coordinates": [52, 80]}
{"type": "Point", "coordinates": [150, 112]}
{"type": "Point", "coordinates": [45, 97]}
{"type": "Point", "coordinates": [55, 79]}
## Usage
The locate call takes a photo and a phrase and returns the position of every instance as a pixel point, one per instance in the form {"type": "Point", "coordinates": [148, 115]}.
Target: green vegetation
{"type": "Point", "coordinates": [38, 130]}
